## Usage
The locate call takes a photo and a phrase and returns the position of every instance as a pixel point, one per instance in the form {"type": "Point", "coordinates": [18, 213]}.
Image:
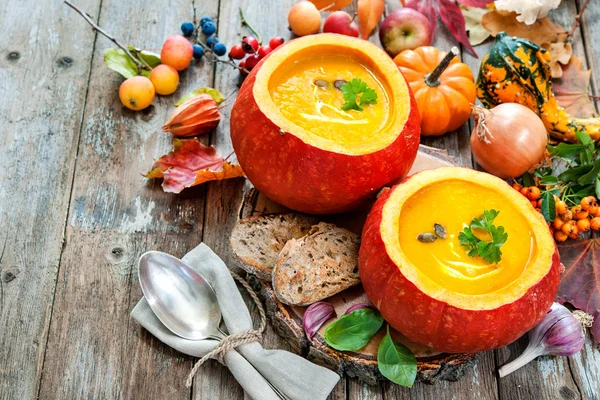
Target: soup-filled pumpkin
{"type": "Point", "coordinates": [323, 122]}
{"type": "Point", "coordinates": [418, 267]}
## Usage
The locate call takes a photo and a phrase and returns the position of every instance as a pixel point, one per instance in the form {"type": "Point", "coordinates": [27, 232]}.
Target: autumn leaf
{"type": "Point", "coordinates": [560, 53]}
{"type": "Point", "coordinates": [475, 3]}
{"type": "Point", "coordinates": [542, 31]}
{"type": "Point", "coordinates": [428, 8]}
{"type": "Point", "coordinates": [476, 32]}
{"type": "Point", "coordinates": [330, 5]}
{"type": "Point", "coordinates": [571, 90]}
{"type": "Point", "coordinates": [369, 14]}
{"type": "Point", "coordinates": [191, 163]}
{"type": "Point", "coordinates": [580, 284]}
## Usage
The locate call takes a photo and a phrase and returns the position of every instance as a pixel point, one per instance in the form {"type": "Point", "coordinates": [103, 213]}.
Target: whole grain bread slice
{"type": "Point", "coordinates": [317, 266]}
{"type": "Point", "coordinates": [256, 241]}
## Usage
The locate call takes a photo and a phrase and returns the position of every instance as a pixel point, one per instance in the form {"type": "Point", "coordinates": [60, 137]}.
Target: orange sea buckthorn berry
{"type": "Point", "coordinates": [566, 216]}
{"type": "Point", "coordinates": [595, 223]}
{"type": "Point", "coordinates": [558, 223]}
{"type": "Point", "coordinates": [517, 187]}
{"type": "Point", "coordinates": [569, 227]}
{"type": "Point", "coordinates": [524, 190]}
{"type": "Point", "coordinates": [539, 203]}
{"type": "Point", "coordinates": [533, 203]}
{"type": "Point", "coordinates": [579, 212]}
{"type": "Point", "coordinates": [583, 225]}
{"type": "Point", "coordinates": [593, 210]}
{"type": "Point", "coordinates": [560, 236]}
{"type": "Point", "coordinates": [561, 207]}
{"type": "Point", "coordinates": [588, 202]}
{"type": "Point", "coordinates": [533, 193]}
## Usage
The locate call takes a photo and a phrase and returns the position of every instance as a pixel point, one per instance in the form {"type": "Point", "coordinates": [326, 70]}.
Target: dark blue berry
{"type": "Point", "coordinates": [198, 51]}
{"type": "Point", "coordinates": [220, 49]}
{"type": "Point", "coordinates": [205, 20]}
{"type": "Point", "coordinates": [187, 28]}
{"type": "Point", "coordinates": [208, 28]}
{"type": "Point", "coordinates": [211, 41]}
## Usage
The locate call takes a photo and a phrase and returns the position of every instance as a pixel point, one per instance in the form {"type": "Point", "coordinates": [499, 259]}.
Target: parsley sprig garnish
{"type": "Point", "coordinates": [489, 251]}
{"type": "Point", "coordinates": [357, 93]}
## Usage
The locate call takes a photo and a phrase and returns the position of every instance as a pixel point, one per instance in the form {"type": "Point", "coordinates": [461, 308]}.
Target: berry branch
{"type": "Point", "coordinates": [247, 24]}
{"type": "Point", "coordinates": [140, 65]}
{"type": "Point", "coordinates": [578, 19]}
{"type": "Point", "coordinates": [231, 63]}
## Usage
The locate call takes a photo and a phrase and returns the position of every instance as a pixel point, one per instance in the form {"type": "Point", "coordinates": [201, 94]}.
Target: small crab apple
{"type": "Point", "coordinates": [177, 52]}
{"type": "Point", "coordinates": [165, 79]}
{"type": "Point", "coordinates": [250, 44]}
{"type": "Point", "coordinates": [340, 22]}
{"type": "Point", "coordinates": [136, 93]}
{"type": "Point", "coordinates": [304, 18]}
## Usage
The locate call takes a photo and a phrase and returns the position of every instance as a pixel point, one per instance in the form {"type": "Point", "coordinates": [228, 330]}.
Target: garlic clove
{"type": "Point", "coordinates": [315, 316]}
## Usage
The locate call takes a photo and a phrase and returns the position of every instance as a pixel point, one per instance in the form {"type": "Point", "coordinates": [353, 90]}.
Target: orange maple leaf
{"type": "Point", "coordinates": [191, 163]}
{"type": "Point", "coordinates": [571, 89]}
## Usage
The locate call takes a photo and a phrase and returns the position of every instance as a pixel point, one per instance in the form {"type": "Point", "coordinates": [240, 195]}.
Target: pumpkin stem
{"type": "Point", "coordinates": [481, 115]}
{"type": "Point", "coordinates": [433, 78]}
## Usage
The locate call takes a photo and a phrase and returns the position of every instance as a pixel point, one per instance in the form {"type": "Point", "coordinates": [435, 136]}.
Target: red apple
{"type": "Point", "coordinates": [340, 22]}
{"type": "Point", "coordinates": [404, 29]}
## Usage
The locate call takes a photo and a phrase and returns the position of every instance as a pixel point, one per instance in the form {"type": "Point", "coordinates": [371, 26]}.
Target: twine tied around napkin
{"type": "Point", "coordinates": [237, 339]}
{"type": "Point", "coordinates": [264, 374]}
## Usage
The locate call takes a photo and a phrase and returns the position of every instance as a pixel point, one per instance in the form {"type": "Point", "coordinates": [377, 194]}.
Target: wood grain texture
{"type": "Point", "coordinates": [44, 71]}
{"type": "Point", "coordinates": [94, 348]}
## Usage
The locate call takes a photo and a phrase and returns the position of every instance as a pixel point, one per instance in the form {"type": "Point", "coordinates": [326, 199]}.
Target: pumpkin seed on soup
{"type": "Point", "coordinates": [338, 83]}
{"type": "Point", "coordinates": [426, 237]}
{"type": "Point", "coordinates": [440, 231]}
{"type": "Point", "coordinates": [321, 83]}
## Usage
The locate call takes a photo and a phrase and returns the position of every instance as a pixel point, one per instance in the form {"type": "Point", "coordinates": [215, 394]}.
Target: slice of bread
{"type": "Point", "coordinates": [317, 266]}
{"type": "Point", "coordinates": [256, 241]}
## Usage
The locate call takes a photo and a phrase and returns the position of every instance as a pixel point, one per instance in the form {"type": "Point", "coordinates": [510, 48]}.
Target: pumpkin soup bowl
{"type": "Point", "coordinates": [296, 143]}
{"type": "Point", "coordinates": [435, 292]}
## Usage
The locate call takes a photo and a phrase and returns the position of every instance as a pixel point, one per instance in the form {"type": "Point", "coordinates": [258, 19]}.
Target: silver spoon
{"type": "Point", "coordinates": [182, 299]}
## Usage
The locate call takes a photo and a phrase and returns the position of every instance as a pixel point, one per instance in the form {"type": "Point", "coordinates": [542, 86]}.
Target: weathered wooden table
{"type": "Point", "coordinates": [76, 213]}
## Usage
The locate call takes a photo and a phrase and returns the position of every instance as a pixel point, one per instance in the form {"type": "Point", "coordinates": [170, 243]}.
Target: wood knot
{"type": "Point", "coordinates": [148, 113]}
{"type": "Point", "coordinates": [13, 56]}
{"type": "Point", "coordinates": [115, 254]}
{"type": "Point", "coordinates": [65, 61]}
{"type": "Point", "coordinates": [10, 275]}
{"type": "Point", "coordinates": [567, 393]}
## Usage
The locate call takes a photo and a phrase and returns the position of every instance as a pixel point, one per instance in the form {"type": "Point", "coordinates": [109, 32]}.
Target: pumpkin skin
{"type": "Point", "coordinates": [302, 176]}
{"type": "Point", "coordinates": [518, 71]}
{"type": "Point", "coordinates": [446, 327]}
{"type": "Point", "coordinates": [443, 107]}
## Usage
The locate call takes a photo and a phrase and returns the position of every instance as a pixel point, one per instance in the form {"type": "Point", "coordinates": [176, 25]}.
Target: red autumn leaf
{"type": "Point", "coordinates": [580, 284]}
{"type": "Point", "coordinates": [450, 14]}
{"type": "Point", "coordinates": [475, 3]}
{"type": "Point", "coordinates": [191, 163]}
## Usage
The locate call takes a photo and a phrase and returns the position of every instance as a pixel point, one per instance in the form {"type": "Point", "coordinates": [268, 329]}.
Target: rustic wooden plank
{"type": "Point", "coordinates": [95, 350]}
{"type": "Point", "coordinates": [41, 121]}
{"type": "Point", "coordinates": [587, 34]}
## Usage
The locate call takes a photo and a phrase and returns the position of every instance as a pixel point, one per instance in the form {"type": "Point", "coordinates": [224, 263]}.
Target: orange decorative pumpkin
{"type": "Point", "coordinates": [444, 88]}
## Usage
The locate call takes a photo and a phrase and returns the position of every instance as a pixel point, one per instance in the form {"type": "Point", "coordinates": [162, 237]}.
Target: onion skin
{"type": "Point", "coordinates": [514, 142]}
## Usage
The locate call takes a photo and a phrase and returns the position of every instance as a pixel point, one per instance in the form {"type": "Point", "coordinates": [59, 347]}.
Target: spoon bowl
{"type": "Point", "coordinates": [180, 297]}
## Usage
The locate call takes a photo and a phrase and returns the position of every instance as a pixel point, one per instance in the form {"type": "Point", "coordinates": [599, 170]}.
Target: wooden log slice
{"type": "Point", "coordinates": [287, 320]}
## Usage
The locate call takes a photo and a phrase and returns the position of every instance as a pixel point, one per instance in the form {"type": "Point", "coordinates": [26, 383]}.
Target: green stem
{"type": "Point", "coordinates": [247, 24]}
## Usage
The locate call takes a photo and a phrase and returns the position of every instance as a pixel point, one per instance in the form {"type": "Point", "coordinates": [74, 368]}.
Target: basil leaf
{"type": "Point", "coordinates": [572, 174]}
{"type": "Point", "coordinates": [590, 177]}
{"type": "Point", "coordinates": [528, 179]}
{"type": "Point", "coordinates": [549, 180]}
{"type": "Point", "coordinates": [353, 331]}
{"type": "Point", "coordinates": [118, 61]}
{"type": "Point", "coordinates": [548, 206]}
{"type": "Point", "coordinates": [566, 150]}
{"type": "Point", "coordinates": [214, 93]}
{"type": "Point", "coordinates": [396, 362]}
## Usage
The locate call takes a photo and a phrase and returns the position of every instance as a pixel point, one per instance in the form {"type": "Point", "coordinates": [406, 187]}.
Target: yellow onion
{"type": "Point", "coordinates": [508, 139]}
{"type": "Point", "coordinates": [196, 116]}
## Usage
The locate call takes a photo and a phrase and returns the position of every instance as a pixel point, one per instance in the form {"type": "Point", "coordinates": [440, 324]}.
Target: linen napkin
{"type": "Point", "coordinates": [257, 370]}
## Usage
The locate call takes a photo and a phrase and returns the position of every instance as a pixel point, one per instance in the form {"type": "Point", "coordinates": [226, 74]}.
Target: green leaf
{"type": "Point", "coordinates": [152, 59]}
{"type": "Point", "coordinates": [574, 173]}
{"type": "Point", "coordinates": [598, 187]}
{"type": "Point", "coordinates": [353, 331]}
{"type": "Point", "coordinates": [542, 172]}
{"type": "Point", "coordinates": [548, 206]}
{"type": "Point", "coordinates": [565, 150]}
{"type": "Point", "coordinates": [584, 138]}
{"type": "Point", "coordinates": [396, 362]}
{"type": "Point", "coordinates": [356, 93]}
{"type": "Point", "coordinates": [591, 176]}
{"type": "Point", "coordinates": [528, 179]}
{"type": "Point", "coordinates": [549, 180]}
{"type": "Point", "coordinates": [118, 61]}
{"type": "Point", "coordinates": [214, 93]}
